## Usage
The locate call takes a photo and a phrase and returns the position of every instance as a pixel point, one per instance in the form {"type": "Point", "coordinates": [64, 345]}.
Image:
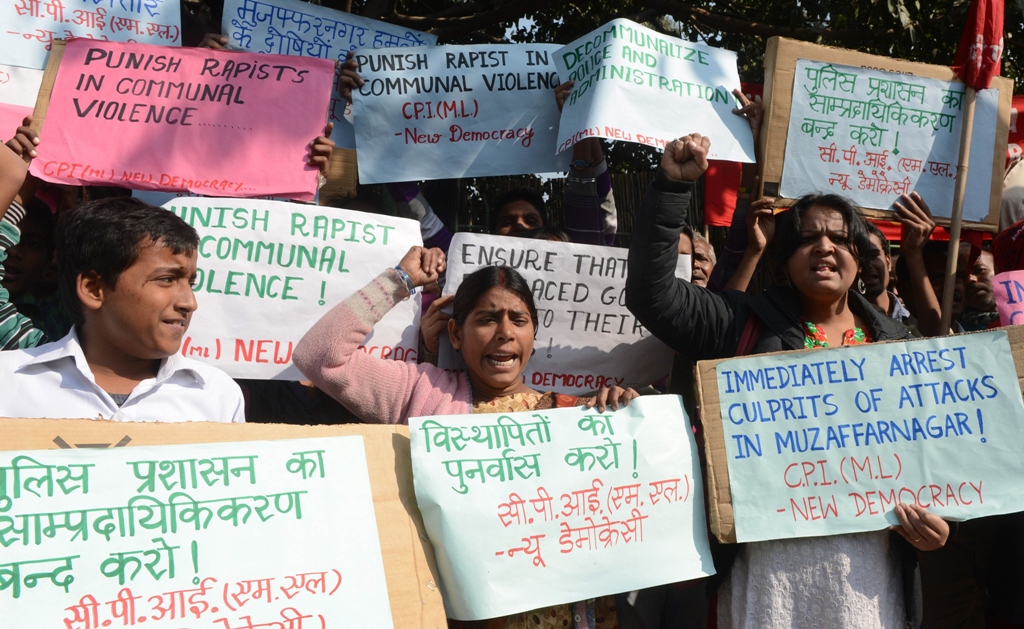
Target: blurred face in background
{"type": "Point", "coordinates": [876, 275]}
{"type": "Point", "coordinates": [517, 216]}
{"type": "Point", "coordinates": [701, 264]}
{"type": "Point", "coordinates": [979, 284]}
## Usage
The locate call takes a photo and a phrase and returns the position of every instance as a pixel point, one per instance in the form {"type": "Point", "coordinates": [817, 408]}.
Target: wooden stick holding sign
{"type": "Point", "coordinates": [953, 252]}
{"type": "Point", "coordinates": [46, 88]}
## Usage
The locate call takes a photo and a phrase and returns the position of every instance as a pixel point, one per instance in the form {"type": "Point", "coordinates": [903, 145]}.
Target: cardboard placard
{"type": "Point", "coordinates": [1009, 290]}
{"type": "Point", "coordinates": [311, 30]}
{"type": "Point", "coordinates": [256, 256]}
{"type": "Point", "coordinates": [409, 566]}
{"type": "Point", "coordinates": [136, 96]}
{"type": "Point", "coordinates": [637, 85]}
{"type": "Point", "coordinates": [441, 112]}
{"type": "Point", "coordinates": [780, 65]}
{"type": "Point", "coordinates": [18, 90]}
{"type": "Point", "coordinates": [31, 26]}
{"type": "Point", "coordinates": [718, 489]}
{"type": "Point", "coordinates": [560, 505]}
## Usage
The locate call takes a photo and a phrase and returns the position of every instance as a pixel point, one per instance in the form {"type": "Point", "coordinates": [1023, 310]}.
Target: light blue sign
{"type": "Point", "coordinates": [540, 508]}
{"type": "Point", "coordinates": [293, 27]}
{"type": "Point", "coordinates": [829, 442]}
{"type": "Point", "coordinates": [445, 112]}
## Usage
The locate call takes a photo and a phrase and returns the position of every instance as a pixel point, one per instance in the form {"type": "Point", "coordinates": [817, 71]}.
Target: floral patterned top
{"type": "Point", "coordinates": [813, 337]}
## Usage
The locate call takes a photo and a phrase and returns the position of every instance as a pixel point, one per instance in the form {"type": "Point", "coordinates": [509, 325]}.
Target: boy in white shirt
{"type": "Point", "coordinates": [126, 270]}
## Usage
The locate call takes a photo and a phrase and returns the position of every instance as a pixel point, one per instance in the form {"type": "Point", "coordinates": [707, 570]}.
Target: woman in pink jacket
{"type": "Point", "coordinates": [493, 323]}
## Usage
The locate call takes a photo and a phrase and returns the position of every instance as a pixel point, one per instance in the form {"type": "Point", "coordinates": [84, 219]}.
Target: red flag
{"type": "Point", "coordinates": [981, 46]}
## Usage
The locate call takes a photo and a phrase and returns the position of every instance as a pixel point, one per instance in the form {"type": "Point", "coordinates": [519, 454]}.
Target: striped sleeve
{"type": "Point", "coordinates": [16, 330]}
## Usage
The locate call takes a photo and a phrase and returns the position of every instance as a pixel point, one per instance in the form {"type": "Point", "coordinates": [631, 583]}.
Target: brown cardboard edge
{"type": "Point", "coordinates": [342, 176]}
{"type": "Point", "coordinates": [57, 48]}
{"type": "Point", "coordinates": [723, 523]}
{"type": "Point", "coordinates": [418, 605]}
{"type": "Point", "coordinates": [720, 516]}
{"type": "Point", "coordinates": [780, 59]}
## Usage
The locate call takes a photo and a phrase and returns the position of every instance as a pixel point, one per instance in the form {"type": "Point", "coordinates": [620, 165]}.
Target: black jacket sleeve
{"type": "Point", "coordinates": [692, 320]}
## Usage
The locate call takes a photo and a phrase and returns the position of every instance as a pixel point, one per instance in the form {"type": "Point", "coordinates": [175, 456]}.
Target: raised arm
{"type": "Point", "coordinates": [760, 219]}
{"type": "Point", "coordinates": [16, 330]}
{"type": "Point", "coordinates": [412, 204]}
{"type": "Point", "coordinates": [692, 320]}
{"type": "Point", "coordinates": [739, 263]}
{"type": "Point", "coordinates": [589, 212]}
{"type": "Point", "coordinates": [377, 390]}
{"type": "Point", "coordinates": [916, 218]}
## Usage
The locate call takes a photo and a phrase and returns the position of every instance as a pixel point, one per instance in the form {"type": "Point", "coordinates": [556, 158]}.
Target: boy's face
{"type": "Point", "coordinates": [27, 261]}
{"type": "Point", "coordinates": [145, 316]}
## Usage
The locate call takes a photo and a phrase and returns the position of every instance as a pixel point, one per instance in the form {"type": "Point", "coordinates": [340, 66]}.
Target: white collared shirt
{"type": "Point", "coordinates": [55, 381]}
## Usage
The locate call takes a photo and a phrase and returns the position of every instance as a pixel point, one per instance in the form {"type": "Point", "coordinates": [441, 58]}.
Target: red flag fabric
{"type": "Point", "coordinates": [721, 189]}
{"type": "Point", "coordinates": [980, 51]}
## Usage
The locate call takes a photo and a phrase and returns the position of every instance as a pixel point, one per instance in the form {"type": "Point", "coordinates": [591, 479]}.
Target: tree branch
{"type": "Point", "coordinates": [379, 9]}
{"type": "Point", "coordinates": [684, 12]}
{"type": "Point", "coordinates": [463, 24]}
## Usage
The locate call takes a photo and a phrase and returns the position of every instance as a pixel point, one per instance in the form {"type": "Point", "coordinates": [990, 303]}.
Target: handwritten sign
{"type": "Point", "coordinates": [28, 27]}
{"type": "Point", "coordinates": [456, 111]}
{"type": "Point", "coordinates": [269, 270]}
{"type": "Point", "coordinates": [206, 121]}
{"type": "Point", "coordinates": [1009, 293]}
{"type": "Point", "coordinates": [1016, 137]}
{"type": "Point", "coordinates": [225, 535]}
{"type": "Point", "coordinates": [559, 505]}
{"type": "Point", "coordinates": [637, 85]}
{"type": "Point", "coordinates": [586, 337]}
{"type": "Point", "coordinates": [18, 90]}
{"type": "Point", "coordinates": [828, 442]}
{"type": "Point", "coordinates": [871, 136]}
{"type": "Point", "coordinates": [291, 27]}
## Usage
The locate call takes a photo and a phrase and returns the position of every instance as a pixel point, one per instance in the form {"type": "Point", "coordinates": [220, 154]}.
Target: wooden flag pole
{"type": "Point", "coordinates": [956, 220]}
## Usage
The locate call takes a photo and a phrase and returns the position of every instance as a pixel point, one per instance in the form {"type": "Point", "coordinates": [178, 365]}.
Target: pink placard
{"type": "Point", "coordinates": [11, 117]}
{"type": "Point", "coordinates": [1008, 289]}
{"type": "Point", "coordinates": [211, 122]}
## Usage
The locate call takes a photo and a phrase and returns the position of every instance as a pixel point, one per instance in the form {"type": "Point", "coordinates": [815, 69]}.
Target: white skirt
{"type": "Point", "coordinates": [841, 581]}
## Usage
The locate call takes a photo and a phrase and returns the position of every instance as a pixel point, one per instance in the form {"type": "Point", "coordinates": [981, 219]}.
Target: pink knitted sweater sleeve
{"type": "Point", "coordinates": [376, 390]}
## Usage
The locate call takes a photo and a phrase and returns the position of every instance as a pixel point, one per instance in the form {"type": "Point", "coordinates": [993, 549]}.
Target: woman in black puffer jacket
{"type": "Point", "coordinates": [819, 245]}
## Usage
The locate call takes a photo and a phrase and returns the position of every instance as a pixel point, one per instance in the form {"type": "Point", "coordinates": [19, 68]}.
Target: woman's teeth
{"type": "Point", "coordinates": [501, 360]}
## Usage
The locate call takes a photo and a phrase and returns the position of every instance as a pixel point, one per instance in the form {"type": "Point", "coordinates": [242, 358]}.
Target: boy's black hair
{"type": "Point", "coordinates": [530, 195]}
{"type": "Point", "coordinates": [105, 237]}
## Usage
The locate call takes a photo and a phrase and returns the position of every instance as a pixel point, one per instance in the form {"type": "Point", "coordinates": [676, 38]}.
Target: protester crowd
{"type": "Point", "coordinates": [97, 295]}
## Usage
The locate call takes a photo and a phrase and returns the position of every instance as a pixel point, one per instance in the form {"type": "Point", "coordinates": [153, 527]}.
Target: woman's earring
{"type": "Point", "coordinates": [861, 288]}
